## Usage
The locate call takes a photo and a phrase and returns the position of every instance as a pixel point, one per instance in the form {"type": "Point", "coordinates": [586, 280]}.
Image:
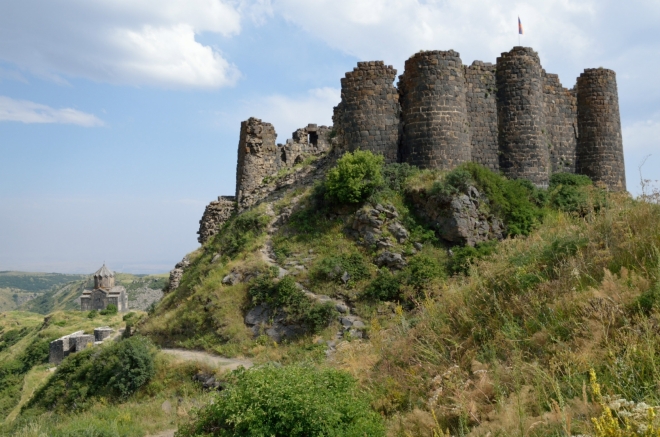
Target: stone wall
{"type": "Point", "coordinates": [600, 146]}
{"type": "Point", "coordinates": [215, 215]}
{"type": "Point", "coordinates": [523, 145]}
{"type": "Point", "coordinates": [367, 117]}
{"type": "Point", "coordinates": [260, 160]}
{"type": "Point", "coordinates": [434, 121]}
{"type": "Point", "coordinates": [561, 124]}
{"type": "Point", "coordinates": [481, 101]}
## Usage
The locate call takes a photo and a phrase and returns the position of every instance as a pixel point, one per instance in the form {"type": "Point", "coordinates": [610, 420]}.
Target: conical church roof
{"type": "Point", "coordinates": [104, 272]}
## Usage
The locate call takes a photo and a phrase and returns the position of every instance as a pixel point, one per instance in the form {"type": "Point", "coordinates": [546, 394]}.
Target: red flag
{"type": "Point", "coordinates": [520, 29]}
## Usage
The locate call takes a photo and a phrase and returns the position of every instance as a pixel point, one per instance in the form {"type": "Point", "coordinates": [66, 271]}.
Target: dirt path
{"type": "Point", "coordinates": [206, 358]}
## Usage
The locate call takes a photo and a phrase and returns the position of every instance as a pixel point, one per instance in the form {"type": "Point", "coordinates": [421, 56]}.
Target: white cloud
{"type": "Point", "coordinates": [288, 113]}
{"type": "Point", "coordinates": [29, 112]}
{"type": "Point", "coordinates": [643, 135]}
{"type": "Point", "coordinates": [136, 42]}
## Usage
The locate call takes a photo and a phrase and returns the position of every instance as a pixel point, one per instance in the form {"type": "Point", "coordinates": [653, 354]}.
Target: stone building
{"type": "Point", "coordinates": [105, 293]}
{"type": "Point", "coordinates": [512, 117]}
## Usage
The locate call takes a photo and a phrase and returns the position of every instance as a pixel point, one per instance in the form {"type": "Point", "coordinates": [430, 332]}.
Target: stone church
{"type": "Point", "coordinates": [105, 293]}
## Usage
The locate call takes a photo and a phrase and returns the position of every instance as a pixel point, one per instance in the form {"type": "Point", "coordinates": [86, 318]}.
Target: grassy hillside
{"type": "Point", "coordinates": [493, 340]}
{"type": "Point", "coordinates": [16, 288]}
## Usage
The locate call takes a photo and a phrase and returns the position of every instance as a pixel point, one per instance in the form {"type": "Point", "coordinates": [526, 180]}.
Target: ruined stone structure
{"type": "Point", "coordinates": [260, 159]}
{"type": "Point", "coordinates": [63, 346]}
{"type": "Point", "coordinates": [600, 146]}
{"type": "Point", "coordinates": [105, 293]}
{"type": "Point", "coordinates": [524, 151]}
{"type": "Point", "coordinates": [511, 117]}
{"type": "Point", "coordinates": [434, 116]}
{"type": "Point", "coordinates": [368, 116]}
{"type": "Point", "coordinates": [215, 215]}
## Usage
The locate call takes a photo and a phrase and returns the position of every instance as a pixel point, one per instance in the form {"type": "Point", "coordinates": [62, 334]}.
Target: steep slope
{"type": "Point", "coordinates": [491, 339]}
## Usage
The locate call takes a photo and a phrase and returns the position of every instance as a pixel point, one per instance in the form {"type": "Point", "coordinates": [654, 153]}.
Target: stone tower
{"type": "Point", "coordinates": [257, 158]}
{"type": "Point", "coordinates": [524, 150]}
{"type": "Point", "coordinates": [367, 117]}
{"type": "Point", "coordinates": [561, 124]}
{"type": "Point", "coordinates": [600, 146]}
{"type": "Point", "coordinates": [433, 111]}
{"type": "Point", "coordinates": [104, 278]}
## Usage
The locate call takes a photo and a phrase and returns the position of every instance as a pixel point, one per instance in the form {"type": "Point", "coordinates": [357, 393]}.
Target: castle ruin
{"type": "Point", "coordinates": [512, 117]}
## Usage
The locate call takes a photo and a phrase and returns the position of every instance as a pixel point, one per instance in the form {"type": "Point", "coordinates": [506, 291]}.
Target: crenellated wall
{"type": "Point", "coordinates": [481, 101]}
{"type": "Point", "coordinates": [599, 145]}
{"type": "Point", "coordinates": [560, 124]}
{"type": "Point", "coordinates": [434, 120]}
{"type": "Point", "coordinates": [523, 145]}
{"type": "Point", "coordinates": [367, 117]}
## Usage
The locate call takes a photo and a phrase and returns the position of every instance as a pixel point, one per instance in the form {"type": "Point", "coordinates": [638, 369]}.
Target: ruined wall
{"type": "Point", "coordinates": [215, 215]}
{"type": "Point", "coordinates": [434, 122]}
{"type": "Point", "coordinates": [257, 158]}
{"type": "Point", "coordinates": [561, 124]}
{"type": "Point", "coordinates": [368, 115]}
{"type": "Point", "coordinates": [260, 161]}
{"type": "Point", "coordinates": [600, 146]}
{"type": "Point", "coordinates": [523, 146]}
{"type": "Point", "coordinates": [481, 102]}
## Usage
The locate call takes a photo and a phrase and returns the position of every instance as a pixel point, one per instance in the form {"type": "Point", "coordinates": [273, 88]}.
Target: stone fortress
{"type": "Point", "coordinates": [511, 117]}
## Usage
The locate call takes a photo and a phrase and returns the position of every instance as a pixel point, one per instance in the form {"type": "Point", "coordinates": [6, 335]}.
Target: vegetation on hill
{"type": "Point", "coordinates": [35, 282]}
{"type": "Point", "coordinates": [549, 332]}
{"type": "Point", "coordinates": [498, 338]}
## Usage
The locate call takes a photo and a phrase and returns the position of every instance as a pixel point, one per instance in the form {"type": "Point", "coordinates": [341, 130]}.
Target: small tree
{"type": "Point", "coordinates": [355, 177]}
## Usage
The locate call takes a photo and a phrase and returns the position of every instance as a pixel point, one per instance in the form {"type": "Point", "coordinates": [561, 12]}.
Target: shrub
{"type": "Point", "coordinates": [385, 287]}
{"type": "Point", "coordinates": [239, 232]}
{"type": "Point", "coordinates": [333, 267]}
{"type": "Point", "coordinates": [286, 295]}
{"type": "Point", "coordinates": [109, 310]}
{"type": "Point", "coordinates": [466, 255]}
{"type": "Point", "coordinates": [292, 401]}
{"type": "Point", "coordinates": [395, 175]}
{"type": "Point", "coordinates": [354, 178]}
{"type": "Point", "coordinates": [115, 371]}
{"type": "Point", "coordinates": [569, 192]}
{"type": "Point", "coordinates": [421, 270]}
{"type": "Point", "coordinates": [455, 182]}
{"type": "Point", "coordinates": [518, 202]}
{"type": "Point", "coordinates": [92, 314]}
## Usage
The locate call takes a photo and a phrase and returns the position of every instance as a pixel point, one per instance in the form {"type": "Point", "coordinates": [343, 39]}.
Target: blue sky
{"type": "Point", "coordinates": [119, 119]}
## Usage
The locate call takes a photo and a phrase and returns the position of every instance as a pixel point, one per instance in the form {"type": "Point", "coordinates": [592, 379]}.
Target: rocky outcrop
{"type": "Point", "coordinates": [176, 274]}
{"type": "Point", "coordinates": [215, 215]}
{"type": "Point", "coordinates": [263, 319]}
{"type": "Point", "coordinates": [370, 223]}
{"type": "Point", "coordinates": [461, 219]}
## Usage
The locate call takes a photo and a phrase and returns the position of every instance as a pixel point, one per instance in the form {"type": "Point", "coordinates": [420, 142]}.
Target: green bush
{"type": "Point", "coordinates": [115, 371]}
{"type": "Point", "coordinates": [385, 287]}
{"type": "Point", "coordinates": [421, 270]}
{"type": "Point", "coordinates": [92, 314]}
{"type": "Point", "coordinates": [517, 202]}
{"type": "Point", "coordinates": [286, 295]}
{"type": "Point", "coordinates": [110, 310]}
{"type": "Point", "coordinates": [455, 182]}
{"type": "Point", "coordinates": [292, 401]}
{"type": "Point", "coordinates": [569, 192]}
{"type": "Point", "coordinates": [466, 255]}
{"type": "Point", "coordinates": [333, 267]}
{"type": "Point", "coordinates": [354, 178]}
{"type": "Point", "coordinates": [239, 232]}
{"type": "Point", "coordinates": [395, 175]}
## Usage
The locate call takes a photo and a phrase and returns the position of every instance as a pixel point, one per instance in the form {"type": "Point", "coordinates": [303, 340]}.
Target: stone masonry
{"type": "Point", "coordinates": [481, 101]}
{"type": "Point", "coordinates": [561, 124]}
{"type": "Point", "coordinates": [523, 145]}
{"type": "Point", "coordinates": [64, 346]}
{"type": "Point", "coordinates": [215, 215]}
{"type": "Point", "coordinates": [600, 146]}
{"type": "Point", "coordinates": [368, 116]}
{"type": "Point", "coordinates": [260, 159]}
{"type": "Point", "coordinates": [512, 117]}
{"type": "Point", "coordinates": [434, 117]}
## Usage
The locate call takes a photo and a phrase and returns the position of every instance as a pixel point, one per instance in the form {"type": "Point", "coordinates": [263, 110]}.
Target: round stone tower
{"type": "Point", "coordinates": [434, 121]}
{"type": "Point", "coordinates": [367, 117]}
{"type": "Point", "coordinates": [104, 278]}
{"type": "Point", "coordinates": [524, 150]}
{"type": "Point", "coordinates": [600, 146]}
